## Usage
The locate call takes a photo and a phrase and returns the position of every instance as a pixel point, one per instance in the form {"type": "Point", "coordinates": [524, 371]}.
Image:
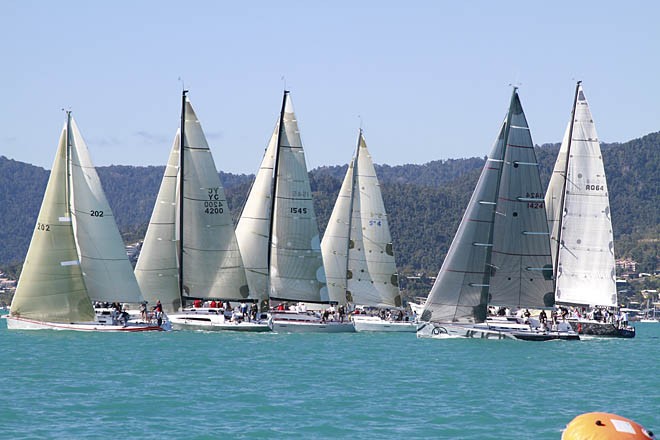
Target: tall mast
{"type": "Point", "coordinates": [181, 198]}
{"type": "Point", "coordinates": [67, 157]}
{"type": "Point", "coordinates": [350, 209]}
{"type": "Point", "coordinates": [563, 188]}
{"type": "Point", "coordinates": [273, 190]}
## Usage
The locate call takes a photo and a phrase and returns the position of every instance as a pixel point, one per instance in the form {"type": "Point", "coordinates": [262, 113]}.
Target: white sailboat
{"type": "Point", "coordinates": [500, 254]}
{"type": "Point", "coordinates": [76, 255]}
{"type": "Point", "coordinates": [279, 237]}
{"type": "Point", "coordinates": [190, 249]}
{"type": "Point", "coordinates": [580, 223]}
{"type": "Point", "coordinates": [357, 248]}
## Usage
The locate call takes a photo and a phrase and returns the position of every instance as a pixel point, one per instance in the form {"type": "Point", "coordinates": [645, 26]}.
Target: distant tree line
{"type": "Point", "coordinates": [424, 202]}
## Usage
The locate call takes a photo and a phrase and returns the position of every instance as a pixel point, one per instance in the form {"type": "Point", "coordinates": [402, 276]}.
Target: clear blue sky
{"type": "Point", "coordinates": [429, 79]}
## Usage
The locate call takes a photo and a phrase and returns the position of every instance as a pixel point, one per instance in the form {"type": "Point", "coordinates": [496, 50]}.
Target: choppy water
{"type": "Point", "coordinates": [359, 386]}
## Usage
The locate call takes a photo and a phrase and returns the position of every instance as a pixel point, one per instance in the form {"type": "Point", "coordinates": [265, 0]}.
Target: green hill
{"type": "Point", "coordinates": [425, 202]}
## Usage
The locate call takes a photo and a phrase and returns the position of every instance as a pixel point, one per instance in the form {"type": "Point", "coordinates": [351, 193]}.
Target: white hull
{"type": "Point", "coordinates": [16, 323]}
{"type": "Point", "coordinates": [488, 331]}
{"type": "Point", "coordinates": [216, 322]}
{"type": "Point", "coordinates": [307, 322]}
{"type": "Point", "coordinates": [451, 331]}
{"type": "Point", "coordinates": [649, 320]}
{"type": "Point", "coordinates": [375, 324]}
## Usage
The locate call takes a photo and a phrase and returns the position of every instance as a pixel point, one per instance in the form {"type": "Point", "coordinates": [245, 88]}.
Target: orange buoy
{"type": "Point", "coordinates": [604, 426]}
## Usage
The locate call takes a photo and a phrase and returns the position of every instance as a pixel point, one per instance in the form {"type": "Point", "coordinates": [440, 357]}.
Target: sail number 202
{"type": "Point", "coordinates": [43, 227]}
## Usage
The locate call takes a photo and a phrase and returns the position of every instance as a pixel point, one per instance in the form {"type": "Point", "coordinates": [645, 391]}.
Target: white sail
{"type": "Point", "coordinates": [500, 253]}
{"type": "Point", "coordinates": [337, 240]}
{"type": "Point", "coordinates": [157, 270]}
{"type": "Point", "coordinates": [521, 264]}
{"type": "Point", "coordinates": [378, 285]}
{"type": "Point", "coordinates": [51, 286]}
{"type": "Point", "coordinates": [106, 270]}
{"type": "Point", "coordinates": [357, 245]}
{"type": "Point", "coordinates": [586, 267]}
{"type": "Point", "coordinates": [253, 229]}
{"type": "Point", "coordinates": [296, 264]}
{"type": "Point", "coordinates": [212, 263]}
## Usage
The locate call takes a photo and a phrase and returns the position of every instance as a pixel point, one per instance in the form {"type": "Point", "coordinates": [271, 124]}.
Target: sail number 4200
{"type": "Point", "coordinates": [213, 207]}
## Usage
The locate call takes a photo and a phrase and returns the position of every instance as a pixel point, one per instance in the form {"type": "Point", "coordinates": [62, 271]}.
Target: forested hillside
{"type": "Point", "coordinates": [425, 202]}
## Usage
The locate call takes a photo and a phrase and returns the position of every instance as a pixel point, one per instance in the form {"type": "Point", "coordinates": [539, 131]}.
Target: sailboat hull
{"type": "Point", "coordinates": [601, 329]}
{"type": "Point", "coordinates": [376, 324]}
{"type": "Point", "coordinates": [214, 321]}
{"type": "Point", "coordinates": [17, 323]}
{"type": "Point", "coordinates": [485, 331]}
{"type": "Point", "coordinates": [301, 322]}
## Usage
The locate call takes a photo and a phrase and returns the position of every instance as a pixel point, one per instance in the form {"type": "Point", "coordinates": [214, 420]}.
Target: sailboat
{"type": "Point", "coordinates": [500, 255]}
{"type": "Point", "coordinates": [76, 255]}
{"type": "Point", "coordinates": [580, 224]}
{"type": "Point", "coordinates": [357, 248]}
{"type": "Point", "coordinates": [279, 237]}
{"type": "Point", "coordinates": [190, 250]}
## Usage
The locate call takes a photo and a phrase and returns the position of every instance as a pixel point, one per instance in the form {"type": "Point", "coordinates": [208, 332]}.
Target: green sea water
{"type": "Point", "coordinates": [193, 385]}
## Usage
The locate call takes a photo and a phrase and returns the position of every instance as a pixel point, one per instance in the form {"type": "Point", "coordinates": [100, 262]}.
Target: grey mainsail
{"type": "Point", "coordinates": [500, 253]}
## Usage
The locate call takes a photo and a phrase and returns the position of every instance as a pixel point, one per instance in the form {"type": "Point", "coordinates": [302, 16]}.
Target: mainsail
{"type": "Point", "coordinates": [76, 255]}
{"type": "Point", "coordinates": [579, 215]}
{"type": "Point", "coordinates": [521, 265]}
{"type": "Point", "coordinates": [211, 266]}
{"type": "Point", "coordinates": [500, 253]}
{"type": "Point", "coordinates": [357, 245]}
{"type": "Point", "coordinates": [295, 261]}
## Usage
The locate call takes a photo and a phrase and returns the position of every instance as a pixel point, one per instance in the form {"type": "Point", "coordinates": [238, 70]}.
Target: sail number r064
{"type": "Point", "coordinates": [595, 187]}
{"type": "Point", "coordinates": [296, 210]}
